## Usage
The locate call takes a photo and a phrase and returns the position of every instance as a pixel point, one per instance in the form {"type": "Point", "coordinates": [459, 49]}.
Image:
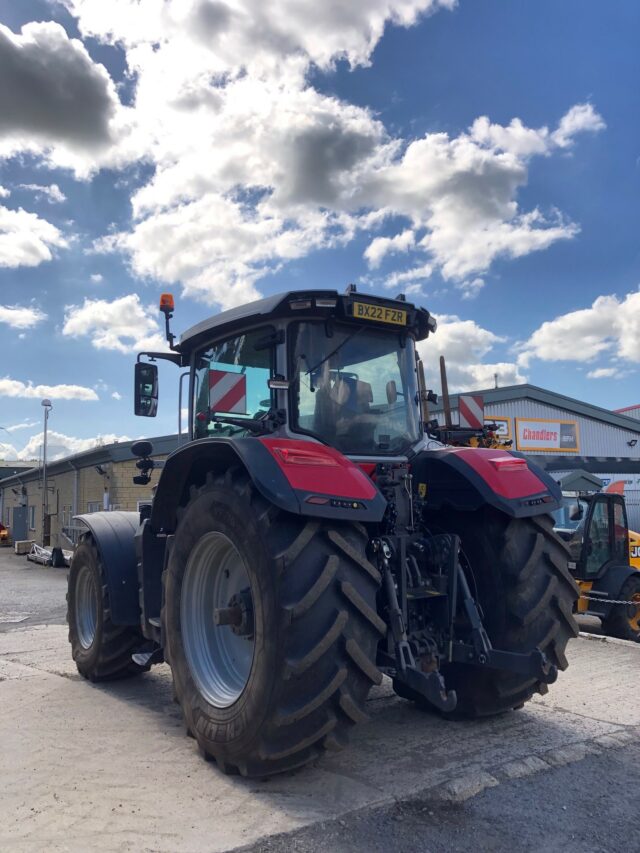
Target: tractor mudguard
{"type": "Point", "coordinates": [114, 534]}
{"type": "Point", "coordinates": [466, 478]}
{"type": "Point", "coordinates": [610, 583]}
{"type": "Point", "coordinates": [301, 477]}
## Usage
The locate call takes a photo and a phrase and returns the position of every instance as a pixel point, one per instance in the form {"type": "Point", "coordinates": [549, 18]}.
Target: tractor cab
{"type": "Point", "coordinates": [595, 528]}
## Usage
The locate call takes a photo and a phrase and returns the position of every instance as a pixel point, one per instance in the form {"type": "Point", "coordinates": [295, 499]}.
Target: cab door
{"type": "Point", "coordinates": [606, 536]}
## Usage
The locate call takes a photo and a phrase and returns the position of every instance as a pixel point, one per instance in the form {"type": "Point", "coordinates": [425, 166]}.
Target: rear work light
{"type": "Point", "coordinates": [305, 457]}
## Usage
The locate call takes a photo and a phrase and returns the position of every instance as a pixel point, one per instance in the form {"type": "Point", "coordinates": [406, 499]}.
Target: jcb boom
{"type": "Point", "coordinates": [310, 538]}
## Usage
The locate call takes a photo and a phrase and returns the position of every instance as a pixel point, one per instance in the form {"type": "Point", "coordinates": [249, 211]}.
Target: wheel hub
{"type": "Point", "coordinates": [86, 607]}
{"type": "Point", "coordinates": [238, 614]}
{"type": "Point", "coordinates": [216, 616]}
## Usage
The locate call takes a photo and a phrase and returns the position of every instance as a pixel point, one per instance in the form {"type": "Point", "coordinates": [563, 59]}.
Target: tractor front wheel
{"type": "Point", "coordinates": [270, 628]}
{"type": "Point", "coordinates": [102, 651]}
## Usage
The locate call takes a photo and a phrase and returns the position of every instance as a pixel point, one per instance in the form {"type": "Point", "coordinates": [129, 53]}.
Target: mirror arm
{"type": "Point", "coordinates": [174, 357]}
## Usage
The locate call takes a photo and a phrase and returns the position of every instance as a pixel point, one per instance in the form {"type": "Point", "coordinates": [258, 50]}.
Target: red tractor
{"type": "Point", "coordinates": [310, 537]}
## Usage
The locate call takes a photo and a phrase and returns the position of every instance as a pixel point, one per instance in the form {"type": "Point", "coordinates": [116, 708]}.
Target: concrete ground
{"type": "Point", "coordinates": [109, 768]}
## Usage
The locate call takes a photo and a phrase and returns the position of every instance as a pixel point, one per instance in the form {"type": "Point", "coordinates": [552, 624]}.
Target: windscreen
{"type": "Point", "coordinates": [355, 387]}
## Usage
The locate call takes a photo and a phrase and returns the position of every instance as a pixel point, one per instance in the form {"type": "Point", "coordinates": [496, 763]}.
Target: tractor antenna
{"type": "Point", "coordinates": [167, 307]}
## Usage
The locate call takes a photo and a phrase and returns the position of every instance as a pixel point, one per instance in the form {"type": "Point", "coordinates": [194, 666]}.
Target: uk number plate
{"type": "Point", "coordinates": [379, 313]}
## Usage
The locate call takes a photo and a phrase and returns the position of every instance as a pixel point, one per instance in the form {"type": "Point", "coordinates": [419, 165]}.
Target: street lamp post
{"type": "Point", "coordinates": [47, 405]}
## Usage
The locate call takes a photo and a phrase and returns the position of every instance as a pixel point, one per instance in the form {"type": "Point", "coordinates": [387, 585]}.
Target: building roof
{"type": "Point", "coordinates": [118, 452]}
{"type": "Point", "coordinates": [549, 398]}
{"type": "Point", "coordinates": [580, 481]}
{"type": "Point", "coordinates": [628, 408]}
{"type": "Point", "coordinates": [10, 470]}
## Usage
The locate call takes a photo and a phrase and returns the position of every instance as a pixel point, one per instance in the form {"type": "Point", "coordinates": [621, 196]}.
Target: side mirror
{"type": "Point", "coordinates": [145, 392]}
{"type": "Point", "coordinates": [575, 512]}
{"type": "Point", "coordinates": [392, 392]}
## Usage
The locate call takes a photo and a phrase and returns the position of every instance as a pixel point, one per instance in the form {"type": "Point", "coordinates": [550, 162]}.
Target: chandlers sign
{"type": "Point", "coordinates": [541, 434]}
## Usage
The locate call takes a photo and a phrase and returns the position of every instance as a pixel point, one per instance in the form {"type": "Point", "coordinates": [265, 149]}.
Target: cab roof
{"type": "Point", "coordinates": [301, 304]}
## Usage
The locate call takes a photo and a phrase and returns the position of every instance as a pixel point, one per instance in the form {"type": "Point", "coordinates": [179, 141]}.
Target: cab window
{"type": "Point", "coordinates": [231, 379]}
{"type": "Point", "coordinates": [599, 542]}
{"type": "Point", "coordinates": [620, 533]}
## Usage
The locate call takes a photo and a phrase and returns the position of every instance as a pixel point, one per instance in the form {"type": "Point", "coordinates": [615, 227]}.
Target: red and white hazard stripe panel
{"type": "Point", "coordinates": [471, 409]}
{"type": "Point", "coordinates": [227, 392]}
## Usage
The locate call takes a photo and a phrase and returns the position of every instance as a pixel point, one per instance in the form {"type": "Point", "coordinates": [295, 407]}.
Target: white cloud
{"type": "Point", "coordinates": [53, 96]}
{"type": "Point", "coordinates": [21, 316]}
{"type": "Point", "coordinates": [605, 373]}
{"type": "Point", "coordinates": [96, 278]}
{"type": "Point", "coordinates": [51, 192]}
{"type": "Point", "coordinates": [117, 395]}
{"type": "Point", "coordinates": [23, 425]}
{"type": "Point", "coordinates": [409, 279]}
{"type": "Point", "coordinates": [252, 167]}
{"type": "Point", "coordinates": [611, 326]}
{"type": "Point", "coordinates": [465, 344]}
{"type": "Point", "coordinates": [382, 246]}
{"type": "Point", "coordinates": [16, 388]}
{"type": "Point", "coordinates": [4, 192]}
{"type": "Point", "coordinates": [60, 445]}
{"type": "Point", "coordinates": [579, 119]}
{"type": "Point", "coordinates": [8, 452]}
{"type": "Point", "coordinates": [26, 239]}
{"type": "Point", "coordinates": [246, 33]}
{"type": "Point", "coordinates": [470, 287]}
{"type": "Point", "coordinates": [124, 324]}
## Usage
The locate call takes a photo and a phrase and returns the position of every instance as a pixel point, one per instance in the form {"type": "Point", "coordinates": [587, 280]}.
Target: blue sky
{"type": "Point", "coordinates": [482, 155]}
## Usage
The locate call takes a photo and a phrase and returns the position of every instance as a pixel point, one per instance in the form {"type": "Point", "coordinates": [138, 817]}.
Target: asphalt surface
{"type": "Point", "coordinates": [109, 768]}
{"type": "Point", "coordinates": [30, 594]}
{"type": "Point", "coordinates": [586, 807]}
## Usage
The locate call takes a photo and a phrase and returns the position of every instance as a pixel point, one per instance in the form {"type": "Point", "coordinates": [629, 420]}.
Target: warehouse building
{"type": "Point", "coordinates": [581, 445]}
{"type": "Point", "coordinates": [100, 478]}
{"type": "Point", "coordinates": [574, 441]}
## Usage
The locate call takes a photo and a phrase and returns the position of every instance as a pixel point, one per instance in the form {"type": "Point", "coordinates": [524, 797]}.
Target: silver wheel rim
{"type": "Point", "coordinates": [86, 607]}
{"type": "Point", "coordinates": [219, 659]}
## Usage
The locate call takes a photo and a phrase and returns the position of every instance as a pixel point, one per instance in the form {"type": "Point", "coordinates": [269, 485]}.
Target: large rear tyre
{"type": "Point", "coordinates": [288, 676]}
{"type": "Point", "coordinates": [102, 651]}
{"type": "Point", "coordinates": [518, 570]}
{"type": "Point", "coordinates": [624, 620]}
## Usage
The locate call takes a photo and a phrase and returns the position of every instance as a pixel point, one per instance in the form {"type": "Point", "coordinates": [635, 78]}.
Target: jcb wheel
{"type": "Point", "coordinates": [624, 620]}
{"type": "Point", "coordinates": [102, 651]}
{"type": "Point", "coordinates": [518, 570]}
{"type": "Point", "coordinates": [270, 628]}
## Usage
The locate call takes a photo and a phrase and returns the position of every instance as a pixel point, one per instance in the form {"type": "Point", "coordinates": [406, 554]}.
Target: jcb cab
{"type": "Point", "coordinates": [595, 528]}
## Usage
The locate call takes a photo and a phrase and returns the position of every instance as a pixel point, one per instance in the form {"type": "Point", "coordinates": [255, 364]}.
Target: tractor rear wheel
{"type": "Point", "coordinates": [624, 620]}
{"type": "Point", "coordinates": [517, 569]}
{"type": "Point", "coordinates": [102, 651]}
{"type": "Point", "coordinates": [270, 628]}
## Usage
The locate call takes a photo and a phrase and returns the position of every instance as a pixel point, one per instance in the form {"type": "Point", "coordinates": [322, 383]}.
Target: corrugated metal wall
{"type": "Point", "coordinates": [596, 438]}
{"type": "Point", "coordinates": [631, 413]}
